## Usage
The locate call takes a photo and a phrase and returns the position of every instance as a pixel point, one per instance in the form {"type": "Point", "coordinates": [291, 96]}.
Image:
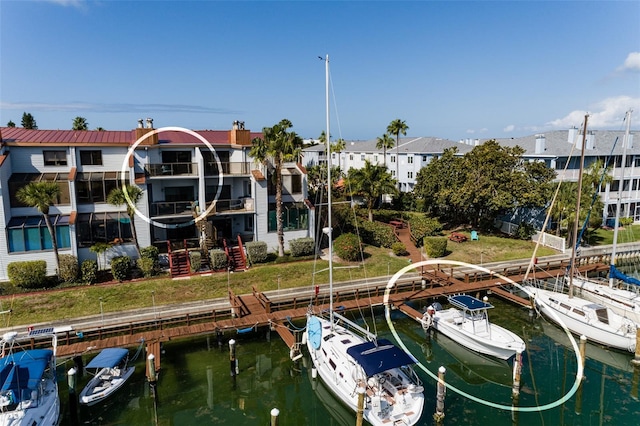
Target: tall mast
{"type": "Point", "coordinates": [620, 190]}
{"type": "Point", "coordinates": [329, 231]}
{"type": "Point", "coordinates": [577, 221]}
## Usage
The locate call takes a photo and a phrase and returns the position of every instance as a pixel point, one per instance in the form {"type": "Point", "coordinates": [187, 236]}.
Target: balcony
{"type": "Point", "coordinates": [172, 169]}
{"type": "Point", "coordinates": [171, 208]}
{"type": "Point", "coordinates": [182, 208]}
{"type": "Point", "coordinates": [235, 205]}
{"type": "Point", "coordinates": [228, 168]}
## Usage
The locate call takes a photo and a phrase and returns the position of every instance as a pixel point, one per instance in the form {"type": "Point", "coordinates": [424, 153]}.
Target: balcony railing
{"type": "Point", "coordinates": [235, 205]}
{"type": "Point", "coordinates": [171, 208]}
{"type": "Point", "coordinates": [228, 168]}
{"type": "Point", "coordinates": [172, 169]}
{"type": "Point", "coordinates": [179, 208]}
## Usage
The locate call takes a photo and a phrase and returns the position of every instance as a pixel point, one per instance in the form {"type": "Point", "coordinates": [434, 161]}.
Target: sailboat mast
{"type": "Point", "coordinates": [618, 203]}
{"type": "Point", "coordinates": [329, 224]}
{"type": "Point", "coordinates": [577, 221]}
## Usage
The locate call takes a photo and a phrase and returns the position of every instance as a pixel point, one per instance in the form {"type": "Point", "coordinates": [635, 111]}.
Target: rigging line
{"type": "Point", "coordinates": [553, 200]}
{"type": "Point", "coordinates": [335, 106]}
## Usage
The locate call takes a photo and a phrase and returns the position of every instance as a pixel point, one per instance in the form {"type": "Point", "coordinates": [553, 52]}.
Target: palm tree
{"type": "Point", "coordinates": [277, 146]}
{"type": "Point", "coordinates": [396, 127]}
{"type": "Point", "coordinates": [42, 195]}
{"type": "Point", "coordinates": [80, 123]}
{"type": "Point", "coordinates": [370, 182]}
{"type": "Point", "coordinates": [337, 147]}
{"type": "Point", "coordinates": [384, 142]}
{"type": "Point", "coordinates": [117, 197]}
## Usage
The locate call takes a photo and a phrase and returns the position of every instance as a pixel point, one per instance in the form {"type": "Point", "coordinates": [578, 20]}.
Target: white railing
{"type": "Point", "coordinates": [549, 240]}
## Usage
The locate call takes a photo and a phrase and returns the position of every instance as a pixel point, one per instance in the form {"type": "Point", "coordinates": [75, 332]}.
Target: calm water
{"type": "Point", "coordinates": [195, 386]}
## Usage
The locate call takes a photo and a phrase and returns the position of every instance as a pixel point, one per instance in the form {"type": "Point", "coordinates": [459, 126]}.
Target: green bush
{"type": "Point", "coordinates": [69, 269]}
{"type": "Point", "coordinates": [218, 259]}
{"type": "Point", "coordinates": [28, 274]}
{"type": "Point", "coordinates": [377, 234]}
{"type": "Point", "coordinates": [347, 247]}
{"type": "Point", "coordinates": [399, 249]}
{"type": "Point", "coordinates": [302, 247]}
{"type": "Point", "coordinates": [525, 231]}
{"type": "Point", "coordinates": [435, 246]}
{"type": "Point", "coordinates": [383, 215]}
{"type": "Point", "coordinates": [150, 252]}
{"type": "Point", "coordinates": [625, 221]}
{"type": "Point", "coordinates": [147, 267]}
{"type": "Point", "coordinates": [89, 271]}
{"type": "Point", "coordinates": [423, 226]}
{"type": "Point", "coordinates": [256, 251]}
{"type": "Point", "coordinates": [120, 267]}
{"type": "Point", "coordinates": [195, 259]}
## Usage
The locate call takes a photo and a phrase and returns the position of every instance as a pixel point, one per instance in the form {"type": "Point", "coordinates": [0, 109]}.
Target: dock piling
{"type": "Point", "coordinates": [73, 399]}
{"type": "Point", "coordinates": [274, 416]}
{"type": "Point", "coordinates": [442, 390]}
{"type": "Point", "coordinates": [233, 362]}
{"type": "Point", "coordinates": [360, 414]}
{"type": "Point", "coordinates": [636, 358]}
{"type": "Point", "coordinates": [517, 370]}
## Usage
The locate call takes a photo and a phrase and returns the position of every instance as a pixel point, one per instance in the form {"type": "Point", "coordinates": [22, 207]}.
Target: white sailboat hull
{"type": "Point", "coordinates": [392, 397]}
{"type": "Point", "coordinates": [583, 317]}
{"type": "Point", "coordinates": [623, 302]}
{"type": "Point", "coordinates": [477, 334]}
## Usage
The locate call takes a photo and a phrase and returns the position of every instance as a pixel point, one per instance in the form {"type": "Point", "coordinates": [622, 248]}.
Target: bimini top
{"type": "Point", "coordinates": [470, 303]}
{"type": "Point", "coordinates": [24, 369]}
{"type": "Point", "coordinates": [108, 358]}
{"type": "Point", "coordinates": [376, 359]}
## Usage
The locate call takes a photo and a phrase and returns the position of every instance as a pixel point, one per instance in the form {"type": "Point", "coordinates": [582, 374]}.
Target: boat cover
{"type": "Point", "coordinates": [381, 357]}
{"type": "Point", "coordinates": [464, 301]}
{"type": "Point", "coordinates": [615, 273]}
{"type": "Point", "coordinates": [24, 370]}
{"type": "Point", "coordinates": [108, 358]}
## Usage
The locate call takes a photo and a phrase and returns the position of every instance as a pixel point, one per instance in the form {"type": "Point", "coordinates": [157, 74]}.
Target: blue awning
{"type": "Point", "coordinates": [108, 358]}
{"type": "Point", "coordinates": [464, 301]}
{"type": "Point", "coordinates": [24, 370]}
{"type": "Point", "coordinates": [381, 357]}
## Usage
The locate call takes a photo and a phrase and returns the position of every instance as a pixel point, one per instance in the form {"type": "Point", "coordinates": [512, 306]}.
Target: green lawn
{"type": "Point", "coordinates": [81, 301]}
{"type": "Point", "coordinates": [628, 234]}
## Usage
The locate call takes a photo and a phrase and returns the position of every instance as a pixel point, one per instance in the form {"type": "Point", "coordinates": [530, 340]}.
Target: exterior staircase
{"type": "Point", "coordinates": [179, 263]}
{"type": "Point", "coordinates": [235, 255]}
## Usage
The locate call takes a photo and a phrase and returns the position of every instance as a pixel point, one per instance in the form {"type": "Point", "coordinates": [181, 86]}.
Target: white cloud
{"type": "Point", "coordinates": [632, 63]}
{"type": "Point", "coordinates": [509, 128]}
{"type": "Point", "coordinates": [71, 3]}
{"type": "Point", "coordinates": [607, 113]}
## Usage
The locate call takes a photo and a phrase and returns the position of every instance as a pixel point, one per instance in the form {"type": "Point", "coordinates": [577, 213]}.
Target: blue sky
{"type": "Point", "coordinates": [454, 69]}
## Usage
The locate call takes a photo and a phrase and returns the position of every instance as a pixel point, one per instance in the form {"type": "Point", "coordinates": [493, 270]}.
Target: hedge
{"type": "Point", "coordinates": [218, 259]}
{"type": "Point", "coordinates": [435, 246]}
{"type": "Point", "coordinates": [423, 226]}
{"type": "Point", "coordinates": [302, 247]}
{"type": "Point", "coordinates": [69, 268]}
{"type": "Point", "coordinates": [347, 247]}
{"type": "Point", "coordinates": [256, 251]}
{"type": "Point", "coordinates": [120, 267]}
{"type": "Point", "coordinates": [28, 274]}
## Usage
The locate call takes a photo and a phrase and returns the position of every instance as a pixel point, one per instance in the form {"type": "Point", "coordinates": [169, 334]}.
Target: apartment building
{"type": "Point", "coordinates": [183, 175]}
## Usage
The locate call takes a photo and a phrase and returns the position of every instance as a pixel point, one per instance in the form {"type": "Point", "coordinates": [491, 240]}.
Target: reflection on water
{"type": "Point", "coordinates": [195, 385]}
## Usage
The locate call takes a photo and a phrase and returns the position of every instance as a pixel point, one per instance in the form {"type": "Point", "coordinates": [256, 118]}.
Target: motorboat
{"type": "Point", "coordinates": [467, 323]}
{"type": "Point", "coordinates": [111, 371]}
{"type": "Point", "coordinates": [29, 392]}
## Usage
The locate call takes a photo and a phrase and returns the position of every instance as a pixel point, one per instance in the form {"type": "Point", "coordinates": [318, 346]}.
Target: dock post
{"type": "Point", "coordinates": [360, 414]}
{"type": "Point", "coordinates": [233, 362]}
{"type": "Point", "coordinates": [583, 351]}
{"type": "Point", "coordinates": [274, 417]}
{"type": "Point", "coordinates": [442, 390]}
{"type": "Point", "coordinates": [73, 399]}
{"type": "Point", "coordinates": [636, 359]}
{"type": "Point", "coordinates": [151, 374]}
{"type": "Point", "coordinates": [517, 370]}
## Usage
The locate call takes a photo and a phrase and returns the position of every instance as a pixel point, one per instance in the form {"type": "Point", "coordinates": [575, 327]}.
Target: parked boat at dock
{"type": "Point", "coordinates": [29, 392]}
{"type": "Point", "coordinates": [467, 323]}
{"type": "Point", "coordinates": [111, 371]}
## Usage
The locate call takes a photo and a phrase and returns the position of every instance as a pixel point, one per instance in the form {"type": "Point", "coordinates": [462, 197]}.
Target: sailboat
{"type": "Point", "coordinates": [581, 316]}
{"type": "Point", "coordinates": [351, 360]}
{"type": "Point", "coordinates": [624, 299]}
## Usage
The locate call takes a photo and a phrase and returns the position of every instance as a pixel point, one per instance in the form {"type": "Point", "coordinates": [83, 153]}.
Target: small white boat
{"type": "Point", "coordinates": [111, 373]}
{"type": "Point", "coordinates": [29, 389]}
{"type": "Point", "coordinates": [468, 324]}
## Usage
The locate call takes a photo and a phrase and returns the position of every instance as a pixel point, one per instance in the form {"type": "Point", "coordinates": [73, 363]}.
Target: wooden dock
{"type": "Point", "coordinates": [248, 312]}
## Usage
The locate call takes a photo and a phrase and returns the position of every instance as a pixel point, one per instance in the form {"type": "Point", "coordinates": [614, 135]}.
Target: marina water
{"type": "Point", "coordinates": [195, 385]}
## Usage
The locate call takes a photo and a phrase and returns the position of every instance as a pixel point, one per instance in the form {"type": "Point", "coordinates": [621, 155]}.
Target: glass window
{"type": "Point", "coordinates": [55, 158]}
{"type": "Point", "coordinates": [103, 227]}
{"type": "Point", "coordinates": [410, 175]}
{"type": "Point", "coordinates": [91, 158]}
{"type": "Point", "coordinates": [95, 187]}
{"type": "Point", "coordinates": [393, 158]}
{"type": "Point", "coordinates": [296, 184]}
{"type": "Point", "coordinates": [410, 159]}
{"type": "Point", "coordinates": [31, 233]}
{"type": "Point", "coordinates": [294, 216]}
{"type": "Point", "coordinates": [18, 180]}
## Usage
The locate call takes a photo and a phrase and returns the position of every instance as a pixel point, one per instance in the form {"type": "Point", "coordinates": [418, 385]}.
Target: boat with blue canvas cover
{"type": "Point", "coordinates": [29, 392]}
{"type": "Point", "coordinates": [111, 372]}
{"type": "Point", "coordinates": [467, 322]}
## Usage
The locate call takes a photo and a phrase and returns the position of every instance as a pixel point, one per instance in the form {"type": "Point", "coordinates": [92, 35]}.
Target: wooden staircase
{"type": "Point", "coordinates": [179, 262]}
{"type": "Point", "coordinates": [235, 255]}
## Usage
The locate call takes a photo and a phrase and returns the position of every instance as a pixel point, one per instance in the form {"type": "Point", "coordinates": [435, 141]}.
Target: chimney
{"type": "Point", "coordinates": [540, 144]}
{"type": "Point", "coordinates": [140, 125]}
{"type": "Point", "coordinates": [573, 132]}
{"type": "Point", "coordinates": [149, 123]}
{"type": "Point", "coordinates": [591, 140]}
{"type": "Point", "coordinates": [238, 135]}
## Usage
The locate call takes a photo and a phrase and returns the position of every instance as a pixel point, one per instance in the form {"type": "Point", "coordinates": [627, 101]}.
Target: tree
{"type": "Point", "coordinates": [337, 147]}
{"type": "Point", "coordinates": [277, 146]}
{"type": "Point", "coordinates": [117, 197]}
{"type": "Point", "coordinates": [370, 182]}
{"type": "Point", "coordinates": [438, 181]}
{"type": "Point", "coordinates": [80, 123]}
{"type": "Point", "coordinates": [396, 127]}
{"type": "Point", "coordinates": [11, 124]}
{"type": "Point", "coordinates": [385, 142]}
{"type": "Point", "coordinates": [28, 122]}
{"type": "Point", "coordinates": [42, 195]}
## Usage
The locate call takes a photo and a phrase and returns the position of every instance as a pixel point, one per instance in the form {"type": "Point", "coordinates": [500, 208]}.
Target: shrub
{"type": "Point", "coordinates": [435, 246]}
{"type": "Point", "coordinates": [218, 259]}
{"type": "Point", "coordinates": [256, 251]}
{"type": "Point", "coordinates": [423, 226]}
{"type": "Point", "coordinates": [147, 267]}
{"type": "Point", "coordinates": [377, 234]}
{"type": "Point", "coordinates": [302, 247]}
{"type": "Point", "coordinates": [625, 221]}
{"type": "Point", "coordinates": [69, 269]}
{"type": "Point", "coordinates": [89, 271]}
{"type": "Point", "coordinates": [195, 259]}
{"type": "Point", "coordinates": [120, 267]}
{"type": "Point", "coordinates": [525, 231]}
{"type": "Point", "coordinates": [399, 249]}
{"type": "Point", "coordinates": [347, 247]}
{"type": "Point", "coordinates": [28, 274]}
{"type": "Point", "coordinates": [151, 252]}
